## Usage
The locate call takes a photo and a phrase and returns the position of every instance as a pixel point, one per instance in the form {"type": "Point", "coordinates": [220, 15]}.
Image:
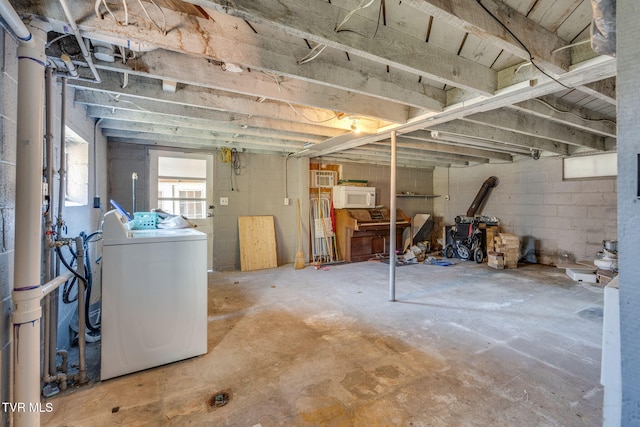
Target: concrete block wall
{"type": "Point", "coordinates": [123, 161]}
{"type": "Point", "coordinates": [259, 189]}
{"type": "Point", "coordinates": [567, 219]}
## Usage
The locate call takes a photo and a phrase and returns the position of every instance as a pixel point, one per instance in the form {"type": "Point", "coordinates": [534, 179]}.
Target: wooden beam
{"type": "Point", "coordinates": [591, 70]}
{"type": "Point", "coordinates": [125, 103]}
{"type": "Point", "coordinates": [322, 77]}
{"type": "Point", "coordinates": [316, 21]}
{"type": "Point", "coordinates": [173, 130]}
{"type": "Point", "coordinates": [163, 140]}
{"type": "Point", "coordinates": [534, 40]}
{"type": "Point", "coordinates": [506, 137]}
{"type": "Point", "coordinates": [142, 117]}
{"type": "Point", "coordinates": [419, 153]}
{"type": "Point", "coordinates": [413, 165]}
{"type": "Point", "coordinates": [604, 90]}
{"type": "Point", "coordinates": [194, 71]}
{"type": "Point", "coordinates": [189, 144]}
{"type": "Point", "coordinates": [234, 43]}
{"type": "Point", "coordinates": [551, 108]}
{"type": "Point", "coordinates": [426, 143]}
{"type": "Point", "coordinates": [141, 88]}
{"type": "Point", "coordinates": [347, 157]}
{"type": "Point", "coordinates": [526, 124]}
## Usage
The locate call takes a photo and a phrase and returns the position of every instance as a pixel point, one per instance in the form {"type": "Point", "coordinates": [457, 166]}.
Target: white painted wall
{"type": "Point", "coordinates": [564, 217]}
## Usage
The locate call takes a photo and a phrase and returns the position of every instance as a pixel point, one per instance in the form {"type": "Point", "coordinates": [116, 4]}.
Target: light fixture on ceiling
{"type": "Point", "coordinates": [103, 51]}
{"type": "Point", "coordinates": [232, 68]}
{"type": "Point", "coordinates": [355, 128]}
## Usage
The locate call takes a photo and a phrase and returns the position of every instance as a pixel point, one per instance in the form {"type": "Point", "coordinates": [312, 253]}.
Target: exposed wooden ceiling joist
{"type": "Point", "coordinates": [456, 66]}
{"type": "Point", "coordinates": [119, 102]}
{"type": "Point", "coordinates": [508, 119]}
{"type": "Point", "coordinates": [483, 19]}
{"type": "Point", "coordinates": [316, 21]}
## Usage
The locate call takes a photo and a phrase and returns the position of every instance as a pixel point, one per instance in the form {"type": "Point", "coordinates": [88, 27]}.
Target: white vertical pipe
{"type": "Point", "coordinates": [62, 171]}
{"type": "Point", "coordinates": [392, 221]}
{"type": "Point", "coordinates": [13, 20]}
{"type": "Point", "coordinates": [26, 293]}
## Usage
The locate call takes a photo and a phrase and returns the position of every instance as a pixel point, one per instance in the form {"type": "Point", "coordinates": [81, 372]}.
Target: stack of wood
{"type": "Point", "coordinates": [495, 259]}
{"type": "Point", "coordinates": [509, 246]}
{"type": "Point", "coordinates": [491, 233]}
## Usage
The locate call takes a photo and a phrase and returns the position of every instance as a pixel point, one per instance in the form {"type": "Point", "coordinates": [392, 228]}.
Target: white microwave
{"type": "Point", "coordinates": [353, 197]}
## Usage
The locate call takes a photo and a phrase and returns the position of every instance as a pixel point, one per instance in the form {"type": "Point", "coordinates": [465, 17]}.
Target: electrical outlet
{"type": "Point", "coordinates": [287, 202]}
{"type": "Point", "coordinates": [224, 201]}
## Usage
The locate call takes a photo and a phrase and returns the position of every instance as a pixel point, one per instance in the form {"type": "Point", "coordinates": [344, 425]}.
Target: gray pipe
{"type": "Point", "coordinates": [82, 372]}
{"type": "Point", "coordinates": [48, 227]}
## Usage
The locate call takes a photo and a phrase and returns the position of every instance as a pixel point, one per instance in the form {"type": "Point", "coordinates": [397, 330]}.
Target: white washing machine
{"type": "Point", "coordinates": [154, 296]}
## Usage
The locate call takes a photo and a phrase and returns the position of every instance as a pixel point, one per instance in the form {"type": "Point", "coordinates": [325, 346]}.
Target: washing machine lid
{"type": "Point", "coordinates": [157, 236]}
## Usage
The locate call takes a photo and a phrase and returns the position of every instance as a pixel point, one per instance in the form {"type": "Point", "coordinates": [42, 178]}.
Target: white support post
{"type": "Point", "coordinates": [26, 293]}
{"type": "Point", "coordinates": [392, 221]}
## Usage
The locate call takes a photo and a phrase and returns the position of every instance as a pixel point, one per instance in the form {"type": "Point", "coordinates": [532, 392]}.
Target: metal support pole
{"type": "Point", "coordinates": [392, 221]}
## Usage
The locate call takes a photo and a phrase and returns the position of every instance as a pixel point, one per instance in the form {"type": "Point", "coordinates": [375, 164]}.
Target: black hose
{"type": "Point", "coordinates": [69, 286]}
{"type": "Point", "coordinates": [89, 281]}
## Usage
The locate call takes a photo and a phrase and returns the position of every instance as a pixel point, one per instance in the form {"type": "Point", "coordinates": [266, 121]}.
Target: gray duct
{"type": "Point", "coordinates": [490, 183]}
{"type": "Point", "coordinates": [603, 27]}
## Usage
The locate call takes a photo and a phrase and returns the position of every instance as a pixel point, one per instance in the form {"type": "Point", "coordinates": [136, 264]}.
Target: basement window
{"type": "Point", "coordinates": [77, 168]}
{"type": "Point", "coordinates": [590, 167]}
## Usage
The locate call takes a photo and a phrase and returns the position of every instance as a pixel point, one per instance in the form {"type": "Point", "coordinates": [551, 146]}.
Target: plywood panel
{"type": "Point", "coordinates": [257, 242]}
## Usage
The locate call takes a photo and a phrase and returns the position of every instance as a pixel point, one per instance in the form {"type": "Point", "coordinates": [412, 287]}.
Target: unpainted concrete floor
{"type": "Point", "coordinates": [464, 345]}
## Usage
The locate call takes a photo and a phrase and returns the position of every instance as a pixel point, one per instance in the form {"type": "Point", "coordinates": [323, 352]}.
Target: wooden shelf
{"type": "Point", "coordinates": [418, 195]}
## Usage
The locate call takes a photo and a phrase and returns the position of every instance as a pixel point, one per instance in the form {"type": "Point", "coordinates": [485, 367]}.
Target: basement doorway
{"type": "Point", "coordinates": [182, 184]}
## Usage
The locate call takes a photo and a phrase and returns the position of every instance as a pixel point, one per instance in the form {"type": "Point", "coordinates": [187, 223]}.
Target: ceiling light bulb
{"type": "Point", "coordinates": [354, 126]}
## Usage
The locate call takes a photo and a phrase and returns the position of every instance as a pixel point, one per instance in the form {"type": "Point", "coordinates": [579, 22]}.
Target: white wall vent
{"type": "Point", "coordinates": [323, 179]}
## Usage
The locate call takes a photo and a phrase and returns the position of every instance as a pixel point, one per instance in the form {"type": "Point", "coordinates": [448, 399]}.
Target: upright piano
{"type": "Point", "coordinates": [364, 233]}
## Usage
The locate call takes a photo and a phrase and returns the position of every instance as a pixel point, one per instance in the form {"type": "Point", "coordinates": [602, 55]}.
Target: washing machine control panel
{"type": "Point", "coordinates": [115, 226]}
